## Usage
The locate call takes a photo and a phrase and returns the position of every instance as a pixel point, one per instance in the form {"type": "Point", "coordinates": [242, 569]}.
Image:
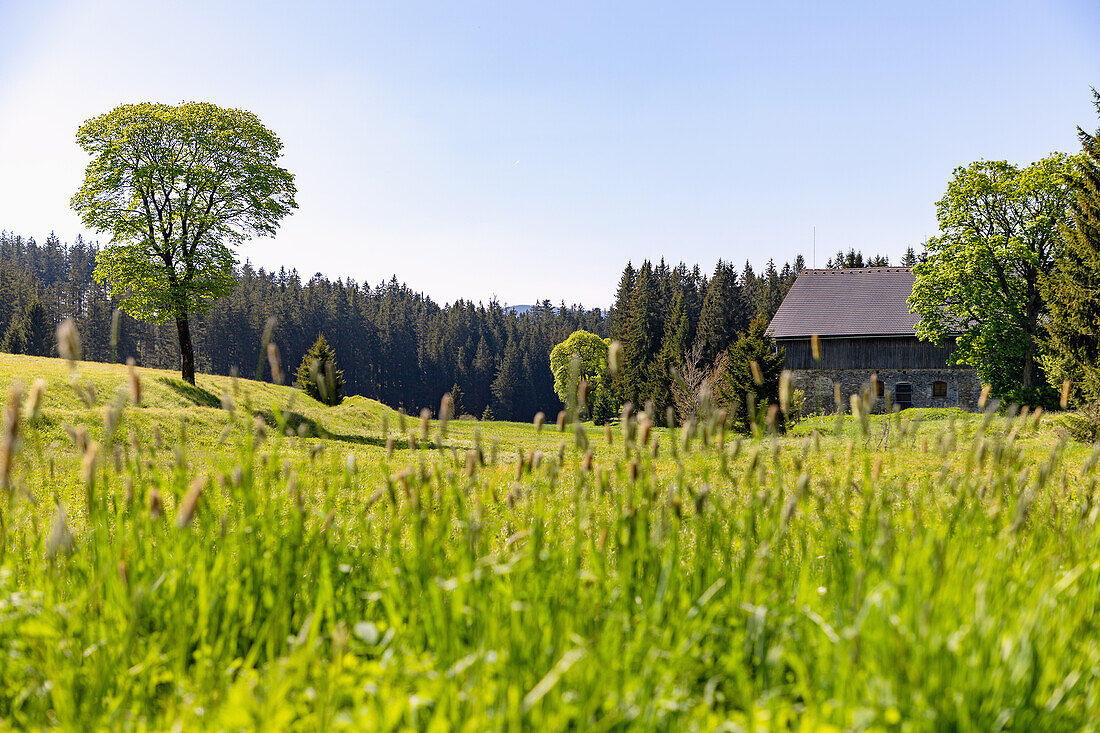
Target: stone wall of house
{"type": "Point", "coordinates": [963, 386]}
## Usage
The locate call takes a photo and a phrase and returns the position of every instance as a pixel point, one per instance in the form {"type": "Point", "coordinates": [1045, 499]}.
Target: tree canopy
{"type": "Point", "coordinates": [591, 352]}
{"type": "Point", "coordinates": [176, 187]}
{"type": "Point", "coordinates": [982, 279]}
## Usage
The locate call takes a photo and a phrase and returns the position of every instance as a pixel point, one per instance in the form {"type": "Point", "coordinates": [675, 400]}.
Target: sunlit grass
{"type": "Point", "coordinates": [198, 566]}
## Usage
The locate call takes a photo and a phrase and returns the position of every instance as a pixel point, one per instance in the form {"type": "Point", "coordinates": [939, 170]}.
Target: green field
{"type": "Point", "coordinates": [235, 555]}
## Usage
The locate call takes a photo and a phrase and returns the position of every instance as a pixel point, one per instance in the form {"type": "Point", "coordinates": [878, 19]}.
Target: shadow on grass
{"type": "Point", "coordinates": [307, 427]}
{"type": "Point", "coordinates": [191, 393]}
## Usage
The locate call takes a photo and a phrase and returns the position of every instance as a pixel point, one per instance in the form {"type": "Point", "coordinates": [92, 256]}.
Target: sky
{"type": "Point", "coordinates": [527, 150]}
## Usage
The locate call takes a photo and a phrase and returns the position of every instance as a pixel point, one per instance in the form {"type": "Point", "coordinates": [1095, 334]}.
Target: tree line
{"type": "Point", "coordinates": [394, 344]}
{"type": "Point", "coordinates": [673, 320]}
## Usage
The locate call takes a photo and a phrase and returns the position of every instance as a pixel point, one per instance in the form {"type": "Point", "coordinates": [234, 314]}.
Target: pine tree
{"type": "Point", "coordinates": [318, 376]}
{"type": "Point", "coordinates": [487, 415]}
{"type": "Point", "coordinates": [910, 258]}
{"type": "Point", "coordinates": [1073, 291]}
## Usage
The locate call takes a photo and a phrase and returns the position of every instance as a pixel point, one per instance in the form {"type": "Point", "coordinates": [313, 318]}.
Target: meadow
{"type": "Point", "coordinates": [235, 555]}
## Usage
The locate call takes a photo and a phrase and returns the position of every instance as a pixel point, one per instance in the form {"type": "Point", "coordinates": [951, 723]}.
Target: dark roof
{"type": "Point", "coordinates": [869, 301]}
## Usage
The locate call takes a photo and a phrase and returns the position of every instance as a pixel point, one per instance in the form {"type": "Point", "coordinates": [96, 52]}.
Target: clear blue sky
{"type": "Point", "coordinates": [528, 150]}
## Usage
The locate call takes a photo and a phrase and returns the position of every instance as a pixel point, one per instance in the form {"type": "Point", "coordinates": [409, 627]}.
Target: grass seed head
{"type": "Point", "coordinates": [785, 391]}
{"type": "Point", "coordinates": [134, 380]}
{"type": "Point", "coordinates": [614, 351]}
{"type": "Point", "coordinates": [68, 342]}
{"type": "Point", "coordinates": [34, 401]}
{"type": "Point", "coordinates": [60, 540]}
{"type": "Point", "coordinates": [1064, 401]}
{"type": "Point", "coordinates": [540, 420]}
{"type": "Point", "coordinates": [983, 398]}
{"type": "Point", "coordinates": [425, 418]}
{"type": "Point", "coordinates": [757, 375]}
{"type": "Point", "coordinates": [190, 502]}
{"type": "Point", "coordinates": [274, 363]}
{"type": "Point", "coordinates": [10, 438]}
{"type": "Point", "coordinates": [156, 506]}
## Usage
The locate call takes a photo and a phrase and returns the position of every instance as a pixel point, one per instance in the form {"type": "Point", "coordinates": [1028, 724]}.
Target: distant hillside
{"type": "Point", "coordinates": [518, 309]}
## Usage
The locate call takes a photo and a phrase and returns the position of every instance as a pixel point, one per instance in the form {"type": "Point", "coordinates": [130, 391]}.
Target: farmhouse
{"type": "Point", "coordinates": [864, 328]}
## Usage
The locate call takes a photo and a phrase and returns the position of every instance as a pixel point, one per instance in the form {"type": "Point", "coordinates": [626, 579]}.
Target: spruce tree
{"type": "Point", "coordinates": [736, 386]}
{"type": "Point", "coordinates": [718, 319]}
{"type": "Point", "coordinates": [507, 387]}
{"type": "Point", "coordinates": [642, 340]}
{"type": "Point", "coordinates": [38, 329]}
{"type": "Point", "coordinates": [318, 376]}
{"type": "Point", "coordinates": [1073, 291]}
{"type": "Point", "coordinates": [620, 311]}
{"type": "Point", "coordinates": [458, 400]}
{"type": "Point", "coordinates": [15, 337]}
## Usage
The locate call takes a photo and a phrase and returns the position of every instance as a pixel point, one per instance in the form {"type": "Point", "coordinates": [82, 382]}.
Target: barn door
{"type": "Point", "coordinates": [903, 395]}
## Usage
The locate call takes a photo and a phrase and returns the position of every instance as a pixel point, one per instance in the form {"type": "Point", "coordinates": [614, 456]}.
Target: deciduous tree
{"type": "Point", "coordinates": [591, 351]}
{"type": "Point", "coordinates": [982, 281]}
{"type": "Point", "coordinates": [176, 187]}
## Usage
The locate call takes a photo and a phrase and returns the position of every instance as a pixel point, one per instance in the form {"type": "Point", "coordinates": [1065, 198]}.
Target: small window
{"type": "Point", "coordinates": [880, 387]}
{"type": "Point", "coordinates": [939, 389]}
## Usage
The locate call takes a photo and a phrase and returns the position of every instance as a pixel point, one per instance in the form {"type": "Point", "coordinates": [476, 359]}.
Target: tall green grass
{"type": "Point", "coordinates": [920, 574]}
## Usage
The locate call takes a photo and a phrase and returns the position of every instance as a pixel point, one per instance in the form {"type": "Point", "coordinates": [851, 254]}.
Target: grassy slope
{"type": "Point", "coordinates": [937, 570]}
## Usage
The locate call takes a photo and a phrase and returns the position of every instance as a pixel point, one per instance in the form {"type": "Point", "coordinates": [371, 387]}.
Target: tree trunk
{"type": "Point", "coordinates": [1029, 363]}
{"type": "Point", "coordinates": [187, 350]}
{"type": "Point", "coordinates": [1031, 329]}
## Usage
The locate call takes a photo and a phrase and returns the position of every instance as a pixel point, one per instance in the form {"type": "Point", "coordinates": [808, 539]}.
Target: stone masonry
{"type": "Point", "coordinates": [963, 386]}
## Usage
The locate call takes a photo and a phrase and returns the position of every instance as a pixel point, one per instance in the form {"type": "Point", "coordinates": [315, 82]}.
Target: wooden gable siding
{"type": "Point", "coordinates": [884, 352]}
